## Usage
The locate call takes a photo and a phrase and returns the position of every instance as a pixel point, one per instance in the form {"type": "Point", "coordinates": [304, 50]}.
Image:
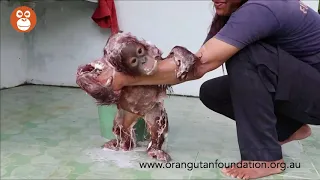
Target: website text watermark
{"type": "Point", "coordinates": [216, 164]}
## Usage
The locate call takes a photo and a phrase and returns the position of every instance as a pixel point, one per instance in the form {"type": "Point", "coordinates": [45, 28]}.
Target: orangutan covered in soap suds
{"type": "Point", "coordinates": [125, 53]}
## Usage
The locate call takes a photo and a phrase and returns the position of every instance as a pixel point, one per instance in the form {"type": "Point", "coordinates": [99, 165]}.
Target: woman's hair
{"type": "Point", "coordinates": [219, 21]}
{"type": "Point", "coordinates": [217, 24]}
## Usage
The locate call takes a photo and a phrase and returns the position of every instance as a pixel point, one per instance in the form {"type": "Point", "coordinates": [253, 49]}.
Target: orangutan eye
{"type": "Point", "coordinates": [134, 61]}
{"type": "Point", "coordinates": [140, 51]}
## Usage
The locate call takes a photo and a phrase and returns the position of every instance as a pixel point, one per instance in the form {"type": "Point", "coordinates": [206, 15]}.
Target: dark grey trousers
{"type": "Point", "coordinates": [270, 95]}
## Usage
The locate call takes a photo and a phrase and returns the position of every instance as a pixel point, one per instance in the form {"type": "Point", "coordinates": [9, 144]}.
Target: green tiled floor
{"type": "Point", "coordinates": [53, 133]}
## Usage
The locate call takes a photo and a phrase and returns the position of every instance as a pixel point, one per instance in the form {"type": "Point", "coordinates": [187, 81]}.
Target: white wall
{"type": "Point", "coordinates": [312, 4]}
{"type": "Point", "coordinates": [13, 57]}
{"type": "Point", "coordinates": [65, 37]}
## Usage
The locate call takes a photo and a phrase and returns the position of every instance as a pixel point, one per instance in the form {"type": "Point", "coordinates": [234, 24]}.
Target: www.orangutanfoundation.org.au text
{"type": "Point", "coordinates": [216, 164]}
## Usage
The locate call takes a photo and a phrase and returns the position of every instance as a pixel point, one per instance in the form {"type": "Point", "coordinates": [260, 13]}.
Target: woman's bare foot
{"type": "Point", "coordinates": [302, 133]}
{"type": "Point", "coordinates": [254, 169]}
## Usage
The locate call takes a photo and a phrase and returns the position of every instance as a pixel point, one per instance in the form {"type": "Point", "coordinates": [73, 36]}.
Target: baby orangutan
{"type": "Point", "coordinates": [125, 53]}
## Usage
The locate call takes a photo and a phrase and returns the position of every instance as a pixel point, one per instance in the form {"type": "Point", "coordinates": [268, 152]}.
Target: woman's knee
{"type": "Point", "coordinates": [204, 92]}
{"type": "Point", "coordinates": [215, 95]}
{"type": "Point", "coordinates": [214, 91]}
{"type": "Point", "coordinates": [207, 96]}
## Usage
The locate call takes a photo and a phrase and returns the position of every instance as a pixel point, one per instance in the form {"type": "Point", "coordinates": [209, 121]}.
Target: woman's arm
{"type": "Point", "coordinates": [164, 74]}
{"type": "Point", "coordinates": [213, 54]}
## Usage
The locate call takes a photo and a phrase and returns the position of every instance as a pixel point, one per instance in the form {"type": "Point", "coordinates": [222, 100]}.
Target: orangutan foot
{"type": "Point", "coordinates": [116, 145]}
{"type": "Point", "coordinates": [159, 155]}
{"type": "Point", "coordinates": [302, 133]}
{"type": "Point", "coordinates": [112, 144]}
{"type": "Point", "coordinates": [254, 169]}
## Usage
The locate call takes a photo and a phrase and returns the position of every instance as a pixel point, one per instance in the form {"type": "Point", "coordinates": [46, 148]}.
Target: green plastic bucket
{"type": "Point", "coordinates": [106, 117]}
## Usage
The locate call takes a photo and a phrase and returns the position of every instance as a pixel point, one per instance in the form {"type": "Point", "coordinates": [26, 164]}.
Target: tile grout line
{"type": "Point", "coordinates": [194, 162]}
{"type": "Point", "coordinates": [315, 169]}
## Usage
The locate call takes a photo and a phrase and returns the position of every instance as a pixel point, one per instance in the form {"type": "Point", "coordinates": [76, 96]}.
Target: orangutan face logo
{"type": "Point", "coordinates": [23, 19]}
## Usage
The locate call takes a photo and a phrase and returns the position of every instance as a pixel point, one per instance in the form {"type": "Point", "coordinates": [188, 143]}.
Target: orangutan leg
{"type": "Point", "coordinates": [124, 132]}
{"type": "Point", "coordinates": [157, 122]}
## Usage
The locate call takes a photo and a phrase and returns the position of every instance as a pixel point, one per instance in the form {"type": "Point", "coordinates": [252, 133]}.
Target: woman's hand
{"type": "Point", "coordinates": [199, 68]}
{"type": "Point", "coordinates": [117, 82]}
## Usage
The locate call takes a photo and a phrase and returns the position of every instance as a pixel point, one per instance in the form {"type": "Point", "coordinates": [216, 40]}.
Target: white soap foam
{"type": "Point", "coordinates": [122, 159]}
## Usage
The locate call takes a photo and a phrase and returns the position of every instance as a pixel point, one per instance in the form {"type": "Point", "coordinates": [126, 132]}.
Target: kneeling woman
{"type": "Point", "coordinates": [272, 55]}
